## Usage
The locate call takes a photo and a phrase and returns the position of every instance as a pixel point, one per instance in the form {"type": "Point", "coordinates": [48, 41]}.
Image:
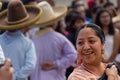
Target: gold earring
{"type": "Point", "coordinates": [103, 56]}
{"type": "Point", "coordinates": [79, 60]}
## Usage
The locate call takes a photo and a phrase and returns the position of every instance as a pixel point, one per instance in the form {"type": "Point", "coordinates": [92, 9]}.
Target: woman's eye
{"type": "Point", "coordinates": [80, 43]}
{"type": "Point", "coordinates": [92, 41]}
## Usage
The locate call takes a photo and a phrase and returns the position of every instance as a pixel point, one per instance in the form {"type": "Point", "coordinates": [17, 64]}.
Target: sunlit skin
{"type": "Point", "coordinates": [89, 46]}
{"type": "Point", "coordinates": [117, 25]}
{"type": "Point", "coordinates": [6, 71]}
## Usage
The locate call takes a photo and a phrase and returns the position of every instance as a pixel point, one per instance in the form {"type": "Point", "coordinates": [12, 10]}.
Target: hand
{"type": "Point", "coordinates": [6, 71]}
{"type": "Point", "coordinates": [47, 66]}
{"type": "Point", "coordinates": [112, 73]}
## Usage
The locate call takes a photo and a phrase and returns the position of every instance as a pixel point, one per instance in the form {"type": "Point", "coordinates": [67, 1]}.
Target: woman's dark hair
{"type": "Point", "coordinates": [71, 18]}
{"type": "Point", "coordinates": [98, 22]}
{"type": "Point", "coordinates": [98, 31]}
{"type": "Point", "coordinates": [73, 4]}
{"type": "Point", "coordinates": [95, 9]}
{"type": "Point", "coordinates": [101, 1]}
{"type": "Point", "coordinates": [108, 4]}
{"type": "Point", "coordinates": [79, 5]}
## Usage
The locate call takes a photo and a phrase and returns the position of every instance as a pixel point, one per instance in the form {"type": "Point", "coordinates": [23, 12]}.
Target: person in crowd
{"type": "Point", "coordinates": [82, 11]}
{"type": "Point", "coordinates": [76, 2]}
{"type": "Point", "coordinates": [69, 8]}
{"type": "Point", "coordinates": [116, 23]}
{"type": "Point", "coordinates": [111, 8]}
{"type": "Point", "coordinates": [25, 2]}
{"type": "Point", "coordinates": [118, 3]}
{"type": "Point", "coordinates": [55, 53]}
{"type": "Point", "coordinates": [104, 20]}
{"type": "Point", "coordinates": [101, 2]}
{"type": "Point", "coordinates": [94, 11]}
{"type": "Point", "coordinates": [91, 4]}
{"type": "Point", "coordinates": [18, 48]}
{"type": "Point", "coordinates": [5, 3]}
{"type": "Point", "coordinates": [61, 27]}
{"type": "Point", "coordinates": [73, 21]}
{"type": "Point", "coordinates": [90, 41]}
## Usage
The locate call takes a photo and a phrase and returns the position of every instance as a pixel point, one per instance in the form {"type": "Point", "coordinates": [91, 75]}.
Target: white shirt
{"type": "Point", "coordinates": [2, 57]}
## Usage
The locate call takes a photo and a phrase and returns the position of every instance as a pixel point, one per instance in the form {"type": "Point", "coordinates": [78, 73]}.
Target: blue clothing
{"type": "Point", "coordinates": [21, 51]}
{"type": "Point", "coordinates": [89, 20]}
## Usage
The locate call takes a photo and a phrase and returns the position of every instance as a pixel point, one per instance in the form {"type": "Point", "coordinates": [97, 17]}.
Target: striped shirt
{"type": "Point", "coordinates": [81, 73]}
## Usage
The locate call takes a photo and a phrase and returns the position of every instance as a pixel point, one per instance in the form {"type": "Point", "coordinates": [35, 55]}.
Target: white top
{"type": "Point", "coordinates": [108, 45]}
{"type": "Point", "coordinates": [2, 57]}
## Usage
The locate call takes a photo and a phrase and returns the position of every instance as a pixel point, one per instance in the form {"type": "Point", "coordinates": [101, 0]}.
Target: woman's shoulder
{"type": "Point", "coordinates": [80, 73]}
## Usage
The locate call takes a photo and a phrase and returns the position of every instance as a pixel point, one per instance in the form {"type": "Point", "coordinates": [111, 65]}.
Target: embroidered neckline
{"type": "Point", "coordinates": [89, 71]}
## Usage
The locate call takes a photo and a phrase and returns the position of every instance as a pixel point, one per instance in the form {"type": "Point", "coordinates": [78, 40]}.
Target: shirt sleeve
{"type": "Point", "coordinates": [29, 65]}
{"type": "Point", "coordinates": [69, 56]}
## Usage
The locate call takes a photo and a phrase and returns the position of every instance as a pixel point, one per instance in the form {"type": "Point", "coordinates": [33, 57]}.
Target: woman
{"type": "Point", "coordinates": [90, 45]}
{"type": "Point", "coordinates": [73, 21]}
{"type": "Point", "coordinates": [104, 20]}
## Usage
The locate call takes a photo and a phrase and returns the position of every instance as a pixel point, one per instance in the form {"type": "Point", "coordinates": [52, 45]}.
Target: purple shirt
{"type": "Point", "coordinates": [56, 48]}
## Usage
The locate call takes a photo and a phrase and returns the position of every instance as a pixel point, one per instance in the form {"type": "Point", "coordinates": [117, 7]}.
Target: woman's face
{"type": "Point", "coordinates": [81, 10]}
{"type": "Point", "coordinates": [78, 23]}
{"type": "Point", "coordinates": [105, 18]}
{"type": "Point", "coordinates": [89, 46]}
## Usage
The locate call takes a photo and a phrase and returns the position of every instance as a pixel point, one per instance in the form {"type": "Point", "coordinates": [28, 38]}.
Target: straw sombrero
{"type": "Point", "coordinates": [50, 14]}
{"type": "Point", "coordinates": [18, 16]}
{"type": "Point", "coordinates": [0, 5]}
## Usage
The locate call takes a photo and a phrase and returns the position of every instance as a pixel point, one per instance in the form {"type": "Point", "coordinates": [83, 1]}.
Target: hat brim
{"type": "Point", "coordinates": [33, 11]}
{"type": "Point", "coordinates": [60, 12]}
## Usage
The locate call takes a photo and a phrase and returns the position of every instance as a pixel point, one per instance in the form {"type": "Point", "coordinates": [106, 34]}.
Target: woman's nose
{"type": "Point", "coordinates": [86, 46]}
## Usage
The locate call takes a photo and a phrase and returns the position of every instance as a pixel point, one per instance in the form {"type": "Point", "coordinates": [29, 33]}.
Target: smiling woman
{"type": "Point", "coordinates": [90, 41]}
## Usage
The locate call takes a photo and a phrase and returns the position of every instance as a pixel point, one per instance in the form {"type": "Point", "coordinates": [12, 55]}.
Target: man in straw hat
{"type": "Point", "coordinates": [15, 45]}
{"type": "Point", "coordinates": [54, 52]}
{"type": "Point", "coordinates": [5, 3]}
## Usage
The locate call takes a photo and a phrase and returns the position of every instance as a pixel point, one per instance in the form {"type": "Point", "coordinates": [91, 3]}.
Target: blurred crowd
{"type": "Point", "coordinates": [52, 41]}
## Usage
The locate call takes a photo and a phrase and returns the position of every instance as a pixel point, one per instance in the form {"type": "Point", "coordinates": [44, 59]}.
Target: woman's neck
{"type": "Point", "coordinates": [96, 69]}
{"type": "Point", "coordinates": [105, 29]}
